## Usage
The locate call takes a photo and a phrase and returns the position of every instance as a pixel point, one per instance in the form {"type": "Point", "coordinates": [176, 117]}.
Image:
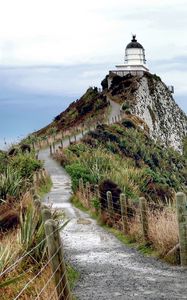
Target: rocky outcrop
{"type": "Point", "coordinates": [150, 99]}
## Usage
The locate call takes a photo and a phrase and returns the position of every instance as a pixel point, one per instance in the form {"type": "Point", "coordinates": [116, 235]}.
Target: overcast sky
{"type": "Point", "coordinates": [87, 38]}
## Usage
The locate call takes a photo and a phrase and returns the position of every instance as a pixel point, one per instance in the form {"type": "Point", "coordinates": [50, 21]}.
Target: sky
{"type": "Point", "coordinates": [51, 51]}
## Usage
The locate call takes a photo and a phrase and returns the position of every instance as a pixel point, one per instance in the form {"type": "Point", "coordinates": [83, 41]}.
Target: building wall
{"type": "Point", "coordinates": [134, 56]}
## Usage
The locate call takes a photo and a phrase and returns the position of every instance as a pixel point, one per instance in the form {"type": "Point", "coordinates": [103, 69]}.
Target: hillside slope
{"type": "Point", "coordinates": [145, 100]}
{"type": "Point", "coordinates": [88, 108]}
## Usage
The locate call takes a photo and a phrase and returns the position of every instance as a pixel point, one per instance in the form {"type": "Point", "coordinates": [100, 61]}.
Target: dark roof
{"type": "Point", "coordinates": [134, 43]}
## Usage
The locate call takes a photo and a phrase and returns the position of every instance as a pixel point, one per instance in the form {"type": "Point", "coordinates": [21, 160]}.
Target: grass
{"type": "Point", "coordinates": [19, 239]}
{"type": "Point", "coordinates": [45, 187]}
{"type": "Point", "coordinates": [75, 201]}
{"type": "Point", "coordinates": [11, 291]}
{"type": "Point", "coordinates": [145, 249]}
{"type": "Point", "coordinates": [73, 275]}
{"type": "Point", "coordinates": [31, 292]}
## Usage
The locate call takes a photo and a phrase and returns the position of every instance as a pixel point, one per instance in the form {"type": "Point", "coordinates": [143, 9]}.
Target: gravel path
{"type": "Point", "coordinates": [108, 269]}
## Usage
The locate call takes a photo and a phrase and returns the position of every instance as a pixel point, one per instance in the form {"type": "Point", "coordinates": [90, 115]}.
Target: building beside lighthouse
{"type": "Point", "coordinates": [134, 62]}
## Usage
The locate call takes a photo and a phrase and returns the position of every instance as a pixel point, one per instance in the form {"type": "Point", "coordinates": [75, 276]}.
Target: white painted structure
{"type": "Point", "coordinates": [135, 62]}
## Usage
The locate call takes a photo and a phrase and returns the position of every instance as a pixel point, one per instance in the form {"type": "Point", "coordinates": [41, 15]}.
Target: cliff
{"type": "Point", "coordinates": [150, 99]}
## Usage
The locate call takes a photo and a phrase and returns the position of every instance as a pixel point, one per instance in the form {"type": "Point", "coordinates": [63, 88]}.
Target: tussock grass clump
{"type": "Point", "coordinates": [163, 233]}
{"type": "Point", "coordinates": [163, 230]}
{"type": "Point", "coordinates": [10, 183]}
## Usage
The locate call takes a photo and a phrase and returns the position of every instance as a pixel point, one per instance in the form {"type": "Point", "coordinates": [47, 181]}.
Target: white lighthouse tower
{"type": "Point", "coordinates": [135, 62]}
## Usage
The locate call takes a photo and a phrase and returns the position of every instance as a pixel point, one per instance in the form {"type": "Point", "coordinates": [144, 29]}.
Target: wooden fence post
{"type": "Point", "coordinates": [61, 142]}
{"type": "Point", "coordinates": [40, 175]}
{"type": "Point", "coordinates": [37, 177]}
{"type": "Point", "coordinates": [46, 214]}
{"type": "Point", "coordinates": [123, 203]}
{"type": "Point", "coordinates": [110, 203]}
{"type": "Point", "coordinates": [57, 260]}
{"type": "Point", "coordinates": [34, 181]}
{"type": "Point", "coordinates": [88, 193]}
{"type": "Point", "coordinates": [50, 149]}
{"type": "Point", "coordinates": [181, 206]}
{"type": "Point", "coordinates": [54, 147]}
{"type": "Point", "coordinates": [97, 195]}
{"type": "Point", "coordinates": [81, 186]}
{"type": "Point", "coordinates": [144, 217]}
{"type": "Point", "coordinates": [37, 204]}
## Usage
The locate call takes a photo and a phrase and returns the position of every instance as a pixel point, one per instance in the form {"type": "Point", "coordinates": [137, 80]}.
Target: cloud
{"type": "Point", "coordinates": [70, 45]}
{"type": "Point", "coordinates": [77, 32]}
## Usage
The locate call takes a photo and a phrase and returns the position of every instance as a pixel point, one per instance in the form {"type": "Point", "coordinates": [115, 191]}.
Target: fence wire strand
{"type": "Point", "coordinates": [58, 286]}
{"type": "Point", "coordinates": [41, 270]}
{"type": "Point", "coordinates": [28, 253]}
{"type": "Point", "coordinates": [41, 291]}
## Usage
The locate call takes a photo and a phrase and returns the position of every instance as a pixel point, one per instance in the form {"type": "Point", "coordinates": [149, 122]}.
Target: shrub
{"type": "Point", "coordinates": [126, 106]}
{"type": "Point", "coordinates": [26, 164]}
{"type": "Point", "coordinates": [77, 171]}
{"type": "Point", "coordinates": [3, 161]}
{"type": "Point", "coordinates": [104, 187]}
{"type": "Point", "coordinates": [104, 83]}
{"type": "Point", "coordinates": [129, 123]}
{"type": "Point", "coordinates": [61, 157]}
{"type": "Point", "coordinates": [9, 215]}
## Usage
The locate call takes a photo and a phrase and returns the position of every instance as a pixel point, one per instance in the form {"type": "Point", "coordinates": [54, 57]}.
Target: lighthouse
{"type": "Point", "coordinates": [134, 62]}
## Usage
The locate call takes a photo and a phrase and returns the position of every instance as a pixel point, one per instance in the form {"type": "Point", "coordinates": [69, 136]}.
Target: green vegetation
{"type": "Point", "coordinates": [16, 174]}
{"type": "Point", "coordinates": [124, 159]}
{"type": "Point", "coordinates": [32, 233]}
{"type": "Point", "coordinates": [11, 183]}
{"type": "Point", "coordinates": [45, 187]}
{"type": "Point", "coordinates": [129, 158]}
{"type": "Point", "coordinates": [185, 148]}
{"type": "Point", "coordinates": [25, 164]}
{"type": "Point", "coordinates": [16, 178]}
{"type": "Point", "coordinates": [73, 275]}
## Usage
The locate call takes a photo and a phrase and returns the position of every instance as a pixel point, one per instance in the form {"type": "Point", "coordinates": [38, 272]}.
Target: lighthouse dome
{"type": "Point", "coordinates": [134, 43]}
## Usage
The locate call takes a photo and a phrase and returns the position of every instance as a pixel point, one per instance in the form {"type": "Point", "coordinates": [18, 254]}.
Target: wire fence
{"type": "Point", "coordinates": [137, 217]}
{"type": "Point", "coordinates": [56, 139]}
{"type": "Point", "coordinates": [48, 280]}
{"type": "Point", "coordinates": [67, 137]}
